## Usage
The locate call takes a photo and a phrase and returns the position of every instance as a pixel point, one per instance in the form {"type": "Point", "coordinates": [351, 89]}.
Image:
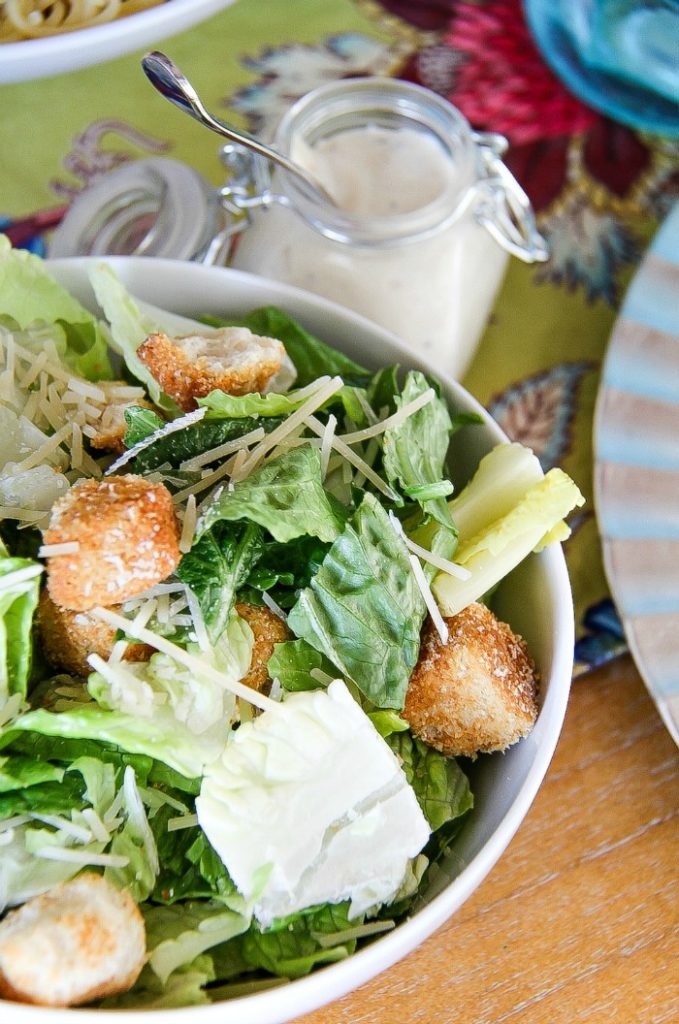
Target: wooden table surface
{"type": "Point", "coordinates": [579, 919]}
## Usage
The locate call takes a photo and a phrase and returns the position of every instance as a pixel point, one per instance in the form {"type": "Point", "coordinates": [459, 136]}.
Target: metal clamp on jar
{"type": "Point", "coordinates": [152, 207]}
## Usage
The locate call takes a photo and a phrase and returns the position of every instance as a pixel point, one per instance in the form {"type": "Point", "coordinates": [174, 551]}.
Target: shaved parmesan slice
{"type": "Point", "coordinates": [310, 805]}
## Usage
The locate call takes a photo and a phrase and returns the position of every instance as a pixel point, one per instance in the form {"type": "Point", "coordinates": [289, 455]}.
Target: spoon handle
{"type": "Point", "coordinates": [170, 82]}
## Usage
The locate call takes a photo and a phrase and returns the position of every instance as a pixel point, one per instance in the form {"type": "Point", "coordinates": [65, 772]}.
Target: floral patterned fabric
{"type": "Point", "coordinates": [599, 190]}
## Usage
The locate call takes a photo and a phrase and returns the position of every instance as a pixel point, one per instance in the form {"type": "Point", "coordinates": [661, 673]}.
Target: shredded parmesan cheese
{"type": "Point", "coordinates": [273, 606]}
{"type": "Point", "coordinates": [99, 830]}
{"type": "Point", "coordinates": [395, 420]}
{"type": "Point", "coordinates": [444, 564]}
{"type": "Point", "coordinates": [326, 444]}
{"type": "Point", "coordinates": [168, 428]}
{"type": "Point", "coordinates": [83, 835]}
{"type": "Point", "coordinates": [161, 643]}
{"type": "Point", "coordinates": [69, 547]}
{"type": "Point", "coordinates": [228, 448]}
{"type": "Point", "coordinates": [300, 415]}
{"type": "Point", "coordinates": [184, 821]}
{"type": "Point", "coordinates": [188, 525]}
{"type": "Point", "coordinates": [429, 598]}
{"type": "Point", "coordinates": [355, 460]}
{"type": "Point", "coordinates": [12, 579]}
{"type": "Point", "coordinates": [45, 451]}
{"type": "Point", "coordinates": [104, 860]}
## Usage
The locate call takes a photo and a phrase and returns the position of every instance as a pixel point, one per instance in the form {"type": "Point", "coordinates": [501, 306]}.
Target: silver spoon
{"type": "Point", "coordinates": [170, 82]}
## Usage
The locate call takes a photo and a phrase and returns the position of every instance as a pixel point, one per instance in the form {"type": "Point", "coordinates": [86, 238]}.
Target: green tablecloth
{"type": "Point", "coordinates": [599, 189]}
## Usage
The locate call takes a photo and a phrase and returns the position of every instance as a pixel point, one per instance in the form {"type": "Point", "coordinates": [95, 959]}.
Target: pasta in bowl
{"type": "Point", "coordinates": [25, 19]}
{"type": "Point", "coordinates": [50, 37]}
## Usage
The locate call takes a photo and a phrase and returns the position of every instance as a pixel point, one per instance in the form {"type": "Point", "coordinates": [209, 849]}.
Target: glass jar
{"type": "Point", "coordinates": [151, 207]}
{"type": "Point", "coordinates": [426, 213]}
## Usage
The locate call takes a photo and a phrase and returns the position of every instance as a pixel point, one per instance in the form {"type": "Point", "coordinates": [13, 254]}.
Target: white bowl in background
{"type": "Point", "coordinates": [535, 600]}
{"type": "Point", "coordinates": [28, 59]}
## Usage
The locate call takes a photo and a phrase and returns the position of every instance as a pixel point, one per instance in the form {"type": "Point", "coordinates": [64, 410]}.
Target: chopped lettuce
{"type": "Point", "coordinates": [31, 297]}
{"type": "Point", "coordinates": [136, 842]}
{"type": "Point", "coordinates": [51, 839]}
{"type": "Point", "coordinates": [160, 736]}
{"type": "Point", "coordinates": [285, 496]}
{"type": "Point", "coordinates": [19, 589]}
{"type": "Point", "coordinates": [363, 608]}
{"type": "Point", "coordinates": [179, 934]}
{"type": "Point", "coordinates": [217, 565]}
{"type": "Point", "coordinates": [129, 328]}
{"type": "Point", "coordinates": [440, 785]}
{"type": "Point", "coordinates": [415, 451]}
{"type": "Point", "coordinates": [294, 662]}
{"type": "Point", "coordinates": [506, 511]}
{"type": "Point", "coordinates": [158, 708]}
{"type": "Point", "coordinates": [219, 405]}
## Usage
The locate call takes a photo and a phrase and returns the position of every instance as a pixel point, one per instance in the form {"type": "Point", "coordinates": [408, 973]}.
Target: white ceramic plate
{"type": "Point", "coordinates": [38, 58]}
{"type": "Point", "coordinates": [636, 435]}
{"type": "Point", "coordinates": [536, 601]}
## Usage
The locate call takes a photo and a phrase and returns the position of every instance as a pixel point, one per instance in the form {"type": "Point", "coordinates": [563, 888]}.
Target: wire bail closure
{"type": "Point", "coordinates": [499, 203]}
{"type": "Point", "coordinates": [503, 208]}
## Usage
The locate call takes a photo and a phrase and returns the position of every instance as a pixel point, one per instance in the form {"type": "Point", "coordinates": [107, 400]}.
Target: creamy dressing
{"type": "Point", "coordinates": [377, 172]}
{"type": "Point", "coordinates": [434, 291]}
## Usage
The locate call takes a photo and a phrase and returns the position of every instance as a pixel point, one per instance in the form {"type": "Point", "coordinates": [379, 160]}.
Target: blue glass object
{"type": "Point", "coordinates": [619, 56]}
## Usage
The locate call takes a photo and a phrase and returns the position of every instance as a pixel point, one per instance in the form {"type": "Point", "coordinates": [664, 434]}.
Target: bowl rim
{"type": "Point", "coordinates": [30, 59]}
{"type": "Point", "coordinates": [326, 984]}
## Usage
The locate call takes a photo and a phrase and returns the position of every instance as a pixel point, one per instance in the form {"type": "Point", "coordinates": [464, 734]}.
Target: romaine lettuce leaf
{"type": "Point", "coordinates": [285, 496]}
{"type": "Point", "coordinates": [31, 296]}
{"type": "Point", "coordinates": [441, 787]}
{"type": "Point", "coordinates": [300, 942]}
{"type": "Point", "coordinates": [161, 737]}
{"type": "Point", "coordinates": [223, 406]}
{"type": "Point", "coordinates": [19, 772]}
{"type": "Point", "coordinates": [189, 867]}
{"type": "Point", "coordinates": [185, 987]}
{"type": "Point", "coordinates": [19, 589]}
{"type": "Point", "coordinates": [47, 797]}
{"type": "Point", "coordinates": [292, 663]}
{"type": "Point", "coordinates": [129, 328]}
{"type": "Point", "coordinates": [415, 451]}
{"type": "Point", "coordinates": [178, 934]}
{"type": "Point", "coordinates": [217, 565]}
{"type": "Point", "coordinates": [59, 805]}
{"type": "Point", "coordinates": [363, 609]}
{"type": "Point", "coordinates": [500, 480]}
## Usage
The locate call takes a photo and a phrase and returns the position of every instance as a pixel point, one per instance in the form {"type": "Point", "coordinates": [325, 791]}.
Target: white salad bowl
{"type": "Point", "coordinates": [535, 599]}
{"type": "Point", "coordinates": [29, 59]}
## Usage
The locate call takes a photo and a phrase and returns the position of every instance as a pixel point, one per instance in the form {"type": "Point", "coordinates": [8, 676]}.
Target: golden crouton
{"type": "Point", "coordinates": [82, 940]}
{"type": "Point", "coordinates": [232, 359]}
{"type": "Point", "coordinates": [68, 637]}
{"type": "Point", "coordinates": [111, 426]}
{"type": "Point", "coordinates": [268, 629]}
{"type": "Point", "coordinates": [127, 535]}
{"type": "Point", "coordinates": [476, 693]}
